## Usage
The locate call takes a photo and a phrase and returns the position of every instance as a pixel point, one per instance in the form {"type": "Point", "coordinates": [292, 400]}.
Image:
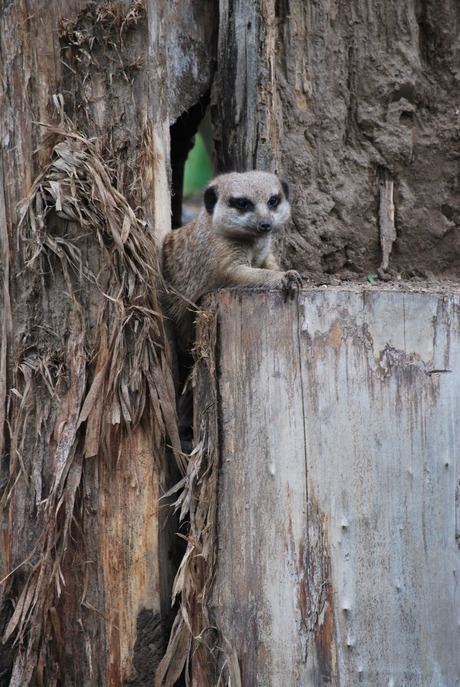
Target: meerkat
{"type": "Point", "coordinates": [229, 243]}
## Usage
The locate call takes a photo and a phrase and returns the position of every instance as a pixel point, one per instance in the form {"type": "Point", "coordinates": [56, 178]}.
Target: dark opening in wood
{"type": "Point", "coordinates": [183, 133]}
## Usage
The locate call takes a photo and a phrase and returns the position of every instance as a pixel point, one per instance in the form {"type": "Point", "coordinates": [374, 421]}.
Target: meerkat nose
{"type": "Point", "coordinates": [264, 225]}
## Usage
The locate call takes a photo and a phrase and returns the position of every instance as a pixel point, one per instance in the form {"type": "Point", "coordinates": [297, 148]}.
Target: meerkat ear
{"type": "Point", "coordinates": [210, 198]}
{"type": "Point", "coordinates": [286, 188]}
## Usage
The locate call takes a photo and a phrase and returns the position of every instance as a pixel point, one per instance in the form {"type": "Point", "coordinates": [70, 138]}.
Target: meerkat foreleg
{"type": "Point", "coordinates": [242, 275]}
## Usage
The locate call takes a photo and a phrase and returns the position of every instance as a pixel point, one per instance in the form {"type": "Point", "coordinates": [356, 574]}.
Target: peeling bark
{"type": "Point", "coordinates": [86, 392]}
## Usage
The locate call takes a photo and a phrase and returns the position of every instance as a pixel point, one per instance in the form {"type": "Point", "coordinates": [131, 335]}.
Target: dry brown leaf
{"type": "Point", "coordinates": [172, 664]}
{"type": "Point", "coordinates": [93, 394]}
{"type": "Point", "coordinates": [22, 608]}
{"type": "Point", "coordinates": [234, 669]}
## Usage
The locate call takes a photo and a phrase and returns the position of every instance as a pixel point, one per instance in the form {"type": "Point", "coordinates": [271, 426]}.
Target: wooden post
{"type": "Point", "coordinates": [337, 549]}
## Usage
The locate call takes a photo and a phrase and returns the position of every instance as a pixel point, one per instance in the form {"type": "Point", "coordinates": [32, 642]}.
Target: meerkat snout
{"type": "Point", "coordinates": [227, 244]}
{"type": "Point", "coordinates": [265, 225]}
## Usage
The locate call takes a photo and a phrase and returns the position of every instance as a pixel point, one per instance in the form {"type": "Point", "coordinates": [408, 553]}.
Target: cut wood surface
{"type": "Point", "coordinates": [337, 549]}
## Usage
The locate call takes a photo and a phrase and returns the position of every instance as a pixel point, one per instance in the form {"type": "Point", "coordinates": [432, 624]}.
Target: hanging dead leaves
{"type": "Point", "coordinates": [86, 375]}
{"type": "Point", "coordinates": [131, 377]}
{"type": "Point", "coordinates": [195, 646]}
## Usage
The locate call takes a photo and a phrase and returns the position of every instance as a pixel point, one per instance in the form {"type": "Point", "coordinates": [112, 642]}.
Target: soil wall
{"type": "Point", "coordinates": [350, 97]}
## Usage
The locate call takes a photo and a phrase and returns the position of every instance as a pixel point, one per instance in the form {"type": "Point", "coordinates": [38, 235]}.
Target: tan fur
{"type": "Point", "coordinates": [226, 245]}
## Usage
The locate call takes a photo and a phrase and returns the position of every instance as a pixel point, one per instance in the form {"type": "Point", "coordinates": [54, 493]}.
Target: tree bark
{"type": "Point", "coordinates": [86, 395]}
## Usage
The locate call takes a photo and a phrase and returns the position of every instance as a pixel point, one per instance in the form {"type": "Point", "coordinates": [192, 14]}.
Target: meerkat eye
{"type": "Point", "coordinates": [274, 201]}
{"type": "Point", "coordinates": [242, 203]}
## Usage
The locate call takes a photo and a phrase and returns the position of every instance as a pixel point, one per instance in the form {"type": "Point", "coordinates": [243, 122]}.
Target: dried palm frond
{"type": "Point", "coordinates": [194, 641]}
{"type": "Point", "coordinates": [110, 371]}
{"type": "Point", "coordinates": [132, 381]}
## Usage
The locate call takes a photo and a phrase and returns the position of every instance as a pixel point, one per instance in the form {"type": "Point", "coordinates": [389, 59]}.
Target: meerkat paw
{"type": "Point", "coordinates": [291, 282]}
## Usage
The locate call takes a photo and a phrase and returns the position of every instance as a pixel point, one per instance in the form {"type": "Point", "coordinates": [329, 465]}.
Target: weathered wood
{"type": "Point", "coordinates": [94, 70]}
{"type": "Point", "coordinates": [244, 88]}
{"type": "Point", "coordinates": [338, 555]}
{"type": "Point", "coordinates": [386, 221]}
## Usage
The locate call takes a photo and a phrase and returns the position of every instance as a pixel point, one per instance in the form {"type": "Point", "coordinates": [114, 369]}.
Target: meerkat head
{"type": "Point", "coordinates": [247, 205]}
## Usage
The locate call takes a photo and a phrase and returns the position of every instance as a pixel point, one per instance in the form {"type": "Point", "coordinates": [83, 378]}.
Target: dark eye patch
{"type": "Point", "coordinates": [241, 203]}
{"type": "Point", "coordinates": [274, 201]}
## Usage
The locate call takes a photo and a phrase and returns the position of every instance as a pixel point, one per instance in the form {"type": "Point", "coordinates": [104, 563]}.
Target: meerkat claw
{"type": "Point", "coordinates": [292, 282]}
